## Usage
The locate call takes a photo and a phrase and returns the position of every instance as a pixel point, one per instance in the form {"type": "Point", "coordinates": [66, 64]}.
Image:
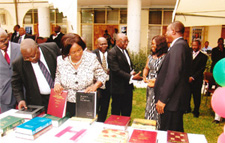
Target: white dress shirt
{"type": "Point", "coordinates": [41, 80]}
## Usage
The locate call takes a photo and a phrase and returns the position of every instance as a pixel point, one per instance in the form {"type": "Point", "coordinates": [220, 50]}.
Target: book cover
{"type": "Point", "coordinates": [33, 126]}
{"type": "Point", "coordinates": [56, 121]}
{"type": "Point", "coordinates": [31, 111]}
{"type": "Point", "coordinates": [144, 124]}
{"type": "Point", "coordinates": [9, 122]}
{"type": "Point", "coordinates": [86, 104]}
{"type": "Point", "coordinates": [33, 137]}
{"type": "Point", "coordinates": [117, 122]}
{"type": "Point", "coordinates": [177, 137]}
{"type": "Point", "coordinates": [57, 104]}
{"type": "Point", "coordinates": [143, 136]}
{"type": "Point", "coordinates": [112, 136]}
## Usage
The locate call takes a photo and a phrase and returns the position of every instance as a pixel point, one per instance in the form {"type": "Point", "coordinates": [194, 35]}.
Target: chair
{"type": "Point", "coordinates": [209, 85]}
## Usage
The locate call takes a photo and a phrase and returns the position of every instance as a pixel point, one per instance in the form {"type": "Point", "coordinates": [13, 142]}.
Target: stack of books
{"type": "Point", "coordinates": [56, 121]}
{"type": "Point", "coordinates": [33, 128]}
{"type": "Point", "coordinates": [117, 122]}
{"type": "Point", "coordinates": [143, 136]}
{"type": "Point", "coordinates": [31, 112]}
{"type": "Point", "coordinates": [177, 137]}
{"type": "Point", "coordinates": [84, 120]}
{"type": "Point", "coordinates": [144, 124]}
{"type": "Point", "coordinates": [8, 123]}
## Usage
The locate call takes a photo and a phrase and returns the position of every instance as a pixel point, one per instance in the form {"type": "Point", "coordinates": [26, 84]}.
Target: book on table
{"type": "Point", "coordinates": [31, 111]}
{"type": "Point", "coordinates": [57, 104]}
{"type": "Point", "coordinates": [177, 137]}
{"type": "Point", "coordinates": [86, 104]}
{"type": "Point", "coordinates": [9, 122]}
{"type": "Point", "coordinates": [117, 122]}
{"type": "Point", "coordinates": [144, 124]}
{"type": "Point", "coordinates": [143, 136]}
{"type": "Point", "coordinates": [112, 136]}
{"type": "Point", "coordinates": [84, 120]}
{"type": "Point", "coordinates": [33, 126]}
{"type": "Point", "coordinates": [34, 136]}
{"type": "Point", "coordinates": [56, 121]}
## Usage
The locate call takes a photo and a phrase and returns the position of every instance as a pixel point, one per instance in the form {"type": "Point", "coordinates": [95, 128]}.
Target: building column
{"type": "Point", "coordinates": [134, 25]}
{"type": "Point", "coordinates": [44, 22]}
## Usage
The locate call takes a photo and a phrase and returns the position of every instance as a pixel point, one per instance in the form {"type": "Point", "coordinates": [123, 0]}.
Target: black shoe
{"type": "Point", "coordinates": [188, 111]}
{"type": "Point", "coordinates": [196, 115]}
{"type": "Point", "coordinates": [216, 121]}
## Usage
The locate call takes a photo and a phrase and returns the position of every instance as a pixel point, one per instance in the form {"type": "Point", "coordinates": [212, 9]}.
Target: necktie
{"type": "Point", "coordinates": [20, 38]}
{"type": "Point", "coordinates": [46, 74]}
{"type": "Point", "coordinates": [7, 57]}
{"type": "Point", "coordinates": [104, 63]}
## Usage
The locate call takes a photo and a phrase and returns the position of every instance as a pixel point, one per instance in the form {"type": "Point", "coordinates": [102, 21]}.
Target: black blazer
{"type": "Point", "coordinates": [16, 40]}
{"type": "Point", "coordinates": [57, 40]}
{"type": "Point", "coordinates": [119, 71]}
{"type": "Point", "coordinates": [198, 67]}
{"type": "Point", "coordinates": [23, 75]}
{"type": "Point", "coordinates": [172, 84]}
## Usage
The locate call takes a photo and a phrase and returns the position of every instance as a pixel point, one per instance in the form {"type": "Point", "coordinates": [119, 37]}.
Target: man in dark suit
{"type": "Point", "coordinates": [196, 76]}
{"type": "Point", "coordinates": [172, 87]}
{"type": "Point", "coordinates": [9, 52]}
{"type": "Point", "coordinates": [57, 36]}
{"type": "Point", "coordinates": [15, 34]}
{"type": "Point", "coordinates": [23, 35]}
{"type": "Point", "coordinates": [103, 94]}
{"type": "Point", "coordinates": [28, 73]}
{"type": "Point", "coordinates": [121, 76]}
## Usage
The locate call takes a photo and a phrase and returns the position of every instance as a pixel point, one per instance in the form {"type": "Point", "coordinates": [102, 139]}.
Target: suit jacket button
{"type": "Point", "coordinates": [76, 82]}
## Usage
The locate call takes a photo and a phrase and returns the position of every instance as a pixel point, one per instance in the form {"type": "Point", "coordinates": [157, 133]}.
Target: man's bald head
{"type": "Point", "coordinates": [29, 50]}
{"type": "Point", "coordinates": [121, 40]}
{"type": "Point", "coordinates": [102, 44]}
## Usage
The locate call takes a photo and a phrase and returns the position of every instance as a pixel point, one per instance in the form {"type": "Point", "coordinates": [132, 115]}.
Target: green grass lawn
{"type": "Point", "coordinates": [201, 125]}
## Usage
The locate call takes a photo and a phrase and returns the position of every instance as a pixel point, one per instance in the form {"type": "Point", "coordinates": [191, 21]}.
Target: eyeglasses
{"type": "Point", "coordinates": [4, 40]}
{"type": "Point", "coordinates": [123, 42]}
{"type": "Point", "coordinates": [31, 58]}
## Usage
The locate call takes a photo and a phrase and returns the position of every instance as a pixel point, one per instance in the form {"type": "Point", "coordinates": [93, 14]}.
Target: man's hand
{"type": "Point", "coordinates": [160, 107]}
{"type": "Point", "coordinates": [151, 82]}
{"type": "Point", "coordinates": [22, 104]}
{"type": "Point", "coordinates": [137, 76]}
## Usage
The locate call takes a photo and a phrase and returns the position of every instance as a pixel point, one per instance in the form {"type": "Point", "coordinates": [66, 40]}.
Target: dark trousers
{"type": "Point", "coordinates": [70, 109]}
{"type": "Point", "coordinates": [45, 99]}
{"type": "Point", "coordinates": [196, 92]}
{"type": "Point", "coordinates": [122, 103]}
{"type": "Point", "coordinates": [172, 120]}
{"type": "Point", "coordinates": [103, 103]}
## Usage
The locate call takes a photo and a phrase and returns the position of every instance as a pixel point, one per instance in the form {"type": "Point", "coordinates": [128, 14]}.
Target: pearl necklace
{"type": "Point", "coordinates": [75, 64]}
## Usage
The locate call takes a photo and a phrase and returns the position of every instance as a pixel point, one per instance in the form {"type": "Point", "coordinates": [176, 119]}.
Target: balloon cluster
{"type": "Point", "coordinates": [218, 98]}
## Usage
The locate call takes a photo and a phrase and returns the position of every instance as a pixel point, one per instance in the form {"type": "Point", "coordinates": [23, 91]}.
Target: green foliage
{"type": "Point", "coordinates": [208, 64]}
{"type": "Point", "coordinates": [139, 60]}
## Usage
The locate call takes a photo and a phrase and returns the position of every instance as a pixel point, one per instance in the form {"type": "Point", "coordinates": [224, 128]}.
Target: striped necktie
{"type": "Point", "coordinates": [46, 74]}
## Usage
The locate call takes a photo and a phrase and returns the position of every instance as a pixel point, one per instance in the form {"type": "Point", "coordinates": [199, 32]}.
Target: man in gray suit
{"type": "Point", "coordinates": [9, 52]}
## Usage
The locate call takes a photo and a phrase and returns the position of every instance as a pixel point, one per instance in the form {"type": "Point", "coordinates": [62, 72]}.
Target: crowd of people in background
{"type": "Point", "coordinates": [29, 70]}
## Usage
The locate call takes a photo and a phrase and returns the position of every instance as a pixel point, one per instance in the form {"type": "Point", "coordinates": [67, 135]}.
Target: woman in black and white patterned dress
{"type": "Point", "coordinates": [154, 62]}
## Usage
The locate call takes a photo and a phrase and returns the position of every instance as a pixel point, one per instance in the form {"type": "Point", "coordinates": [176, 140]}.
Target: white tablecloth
{"type": "Point", "coordinates": [89, 136]}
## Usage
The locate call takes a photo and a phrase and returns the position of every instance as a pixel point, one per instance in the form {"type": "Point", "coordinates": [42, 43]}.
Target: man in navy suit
{"type": "Point", "coordinates": [172, 87]}
{"type": "Point", "coordinates": [12, 50]}
{"type": "Point", "coordinates": [196, 76]}
{"type": "Point", "coordinates": [27, 73]}
{"type": "Point", "coordinates": [121, 76]}
{"type": "Point", "coordinates": [103, 94]}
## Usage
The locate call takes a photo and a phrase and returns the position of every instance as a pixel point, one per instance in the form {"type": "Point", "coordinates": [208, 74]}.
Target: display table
{"type": "Point", "coordinates": [59, 135]}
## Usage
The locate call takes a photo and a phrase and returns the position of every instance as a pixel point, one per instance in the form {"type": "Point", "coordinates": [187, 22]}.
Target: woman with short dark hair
{"type": "Point", "coordinates": [77, 70]}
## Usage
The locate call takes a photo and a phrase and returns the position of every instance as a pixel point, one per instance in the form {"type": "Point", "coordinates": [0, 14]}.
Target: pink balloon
{"type": "Point", "coordinates": [221, 138]}
{"type": "Point", "coordinates": [218, 101]}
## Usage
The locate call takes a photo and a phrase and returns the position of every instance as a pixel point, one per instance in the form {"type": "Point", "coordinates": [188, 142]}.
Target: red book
{"type": "Point", "coordinates": [119, 122]}
{"type": "Point", "coordinates": [177, 137]}
{"type": "Point", "coordinates": [143, 136]}
{"type": "Point", "coordinates": [57, 104]}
